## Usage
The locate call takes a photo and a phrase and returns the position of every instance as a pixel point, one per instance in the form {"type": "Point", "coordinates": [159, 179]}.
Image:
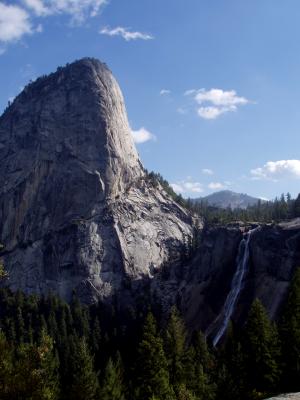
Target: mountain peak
{"type": "Point", "coordinates": [76, 209]}
{"type": "Point", "coordinates": [76, 113]}
{"type": "Point", "coordinates": [228, 198]}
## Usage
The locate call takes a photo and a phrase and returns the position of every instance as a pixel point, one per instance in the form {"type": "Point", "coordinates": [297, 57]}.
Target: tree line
{"type": "Point", "coordinates": [57, 351]}
{"type": "Point", "coordinates": [282, 208]}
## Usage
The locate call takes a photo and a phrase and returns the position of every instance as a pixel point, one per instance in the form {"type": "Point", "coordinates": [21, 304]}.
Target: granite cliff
{"type": "Point", "coordinates": [76, 209]}
{"type": "Point", "coordinates": [274, 253]}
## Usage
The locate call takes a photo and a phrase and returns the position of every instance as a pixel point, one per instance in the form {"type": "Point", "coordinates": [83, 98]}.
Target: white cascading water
{"type": "Point", "coordinates": [236, 285]}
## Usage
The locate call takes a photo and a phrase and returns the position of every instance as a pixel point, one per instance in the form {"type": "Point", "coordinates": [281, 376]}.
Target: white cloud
{"type": "Point", "coordinates": [219, 97]}
{"type": "Point", "coordinates": [274, 170]}
{"type": "Point", "coordinates": [213, 112]}
{"type": "Point", "coordinates": [187, 187]}
{"type": "Point", "coordinates": [37, 6]}
{"type": "Point", "coordinates": [125, 33]}
{"type": "Point", "coordinates": [79, 10]}
{"type": "Point", "coordinates": [14, 23]}
{"type": "Point", "coordinates": [142, 135]}
{"type": "Point", "coordinates": [216, 186]}
{"type": "Point", "coordinates": [207, 171]}
{"type": "Point", "coordinates": [215, 102]}
{"type": "Point", "coordinates": [177, 188]}
{"type": "Point", "coordinates": [164, 92]}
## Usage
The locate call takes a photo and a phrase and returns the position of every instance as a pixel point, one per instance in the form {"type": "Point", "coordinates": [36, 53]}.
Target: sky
{"type": "Point", "coordinates": [212, 87]}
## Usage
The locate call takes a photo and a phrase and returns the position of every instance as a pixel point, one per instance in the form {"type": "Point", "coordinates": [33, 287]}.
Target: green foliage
{"type": "Point", "coordinates": [83, 380]}
{"type": "Point", "coordinates": [53, 351]}
{"type": "Point", "coordinates": [199, 368]}
{"type": "Point", "coordinates": [289, 329]}
{"type": "Point", "coordinates": [261, 351]}
{"type": "Point", "coordinates": [6, 368]}
{"type": "Point", "coordinates": [175, 349]}
{"type": "Point", "coordinates": [3, 273]}
{"type": "Point", "coordinates": [152, 376]}
{"type": "Point", "coordinates": [112, 387]}
{"type": "Point", "coordinates": [35, 374]}
{"type": "Point", "coordinates": [231, 375]}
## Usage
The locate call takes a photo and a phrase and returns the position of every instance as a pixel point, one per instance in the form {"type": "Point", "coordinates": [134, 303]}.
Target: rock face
{"type": "Point", "coordinates": [274, 253]}
{"type": "Point", "coordinates": [76, 208]}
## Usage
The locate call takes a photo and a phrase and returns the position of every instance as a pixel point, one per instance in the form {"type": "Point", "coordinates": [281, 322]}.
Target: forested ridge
{"type": "Point", "coordinates": [282, 208]}
{"type": "Point", "coordinates": [52, 350]}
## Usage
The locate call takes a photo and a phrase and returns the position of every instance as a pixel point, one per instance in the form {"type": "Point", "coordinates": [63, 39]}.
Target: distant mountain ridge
{"type": "Point", "coordinates": [228, 198]}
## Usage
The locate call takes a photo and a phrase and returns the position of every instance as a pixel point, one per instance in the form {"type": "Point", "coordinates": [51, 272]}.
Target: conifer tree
{"type": "Point", "coordinates": [83, 380]}
{"type": "Point", "coordinates": [261, 348]}
{"type": "Point", "coordinates": [199, 367]}
{"type": "Point", "coordinates": [96, 336]}
{"type": "Point", "coordinates": [35, 374]}
{"type": "Point", "coordinates": [231, 371]}
{"type": "Point", "coordinates": [290, 336]}
{"type": "Point", "coordinates": [152, 377]}
{"type": "Point", "coordinates": [6, 368]}
{"type": "Point", "coordinates": [112, 382]}
{"type": "Point", "coordinates": [175, 349]}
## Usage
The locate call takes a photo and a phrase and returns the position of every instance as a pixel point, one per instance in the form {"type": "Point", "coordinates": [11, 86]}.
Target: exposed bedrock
{"type": "Point", "coordinates": [76, 208]}
{"type": "Point", "coordinates": [274, 253]}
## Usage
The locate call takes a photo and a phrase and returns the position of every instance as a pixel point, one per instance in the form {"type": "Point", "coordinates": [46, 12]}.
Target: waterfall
{"type": "Point", "coordinates": [236, 285]}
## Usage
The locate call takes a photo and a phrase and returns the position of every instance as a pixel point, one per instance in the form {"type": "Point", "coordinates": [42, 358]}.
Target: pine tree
{"type": "Point", "coordinates": [290, 336]}
{"type": "Point", "coordinates": [112, 382]}
{"type": "Point", "coordinates": [199, 367]}
{"type": "Point", "coordinates": [83, 380]}
{"type": "Point", "coordinates": [96, 336]}
{"type": "Point", "coordinates": [231, 372]}
{"type": "Point", "coordinates": [261, 348]}
{"type": "Point", "coordinates": [6, 368]}
{"type": "Point", "coordinates": [20, 325]}
{"type": "Point", "coordinates": [151, 369]}
{"type": "Point", "coordinates": [175, 349]}
{"type": "Point", "coordinates": [203, 355]}
{"type": "Point", "coordinates": [35, 374]}
{"type": "Point", "coordinates": [297, 206]}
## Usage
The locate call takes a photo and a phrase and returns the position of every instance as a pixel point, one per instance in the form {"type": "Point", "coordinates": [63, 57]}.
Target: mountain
{"type": "Point", "coordinates": [227, 198]}
{"type": "Point", "coordinates": [77, 210]}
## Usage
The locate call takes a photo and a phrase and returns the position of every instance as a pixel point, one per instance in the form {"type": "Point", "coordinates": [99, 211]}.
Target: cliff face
{"type": "Point", "coordinates": [76, 209]}
{"type": "Point", "coordinates": [274, 253]}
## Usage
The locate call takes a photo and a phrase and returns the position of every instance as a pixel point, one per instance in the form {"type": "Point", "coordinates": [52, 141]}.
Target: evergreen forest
{"type": "Point", "coordinates": [57, 351]}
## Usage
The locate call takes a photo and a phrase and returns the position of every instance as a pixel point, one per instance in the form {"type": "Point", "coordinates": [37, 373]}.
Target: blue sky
{"type": "Point", "coordinates": [212, 87]}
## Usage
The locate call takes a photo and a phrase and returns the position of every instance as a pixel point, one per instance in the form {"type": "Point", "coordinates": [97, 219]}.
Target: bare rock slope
{"type": "Point", "coordinates": [76, 208]}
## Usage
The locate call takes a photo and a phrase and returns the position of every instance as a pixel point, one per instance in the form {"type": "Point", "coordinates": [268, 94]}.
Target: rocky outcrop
{"type": "Point", "coordinates": [77, 211]}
